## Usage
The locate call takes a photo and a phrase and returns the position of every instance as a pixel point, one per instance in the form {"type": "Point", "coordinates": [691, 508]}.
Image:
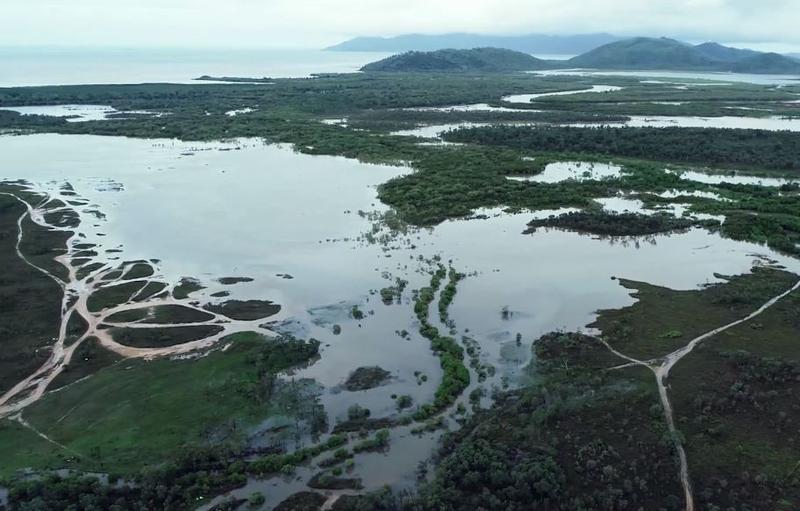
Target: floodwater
{"type": "Point", "coordinates": [474, 107]}
{"type": "Point", "coordinates": [436, 130]}
{"type": "Point", "coordinates": [726, 122]}
{"type": "Point", "coordinates": [680, 76]}
{"type": "Point", "coordinates": [636, 121]}
{"type": "Point", "coordinates": [248, 209]}
{"type": "Point", "coordinates": [735, 178]}
{"type": "Point", "coordinates": [527, 98]}
{"type": "Point", "coordinates": [572, 170]}
{"type": "Point", "coordinates": [73, 113]}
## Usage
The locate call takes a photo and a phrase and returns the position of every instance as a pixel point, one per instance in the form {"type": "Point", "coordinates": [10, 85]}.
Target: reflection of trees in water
{"type": "Point", "coordinates": [622, 241]}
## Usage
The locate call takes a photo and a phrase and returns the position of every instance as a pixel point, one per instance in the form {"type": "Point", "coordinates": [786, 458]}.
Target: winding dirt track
{"type": "Point", "coordinates": [77, 289]}
{"type": "Point", "coordinates": [661, 368]}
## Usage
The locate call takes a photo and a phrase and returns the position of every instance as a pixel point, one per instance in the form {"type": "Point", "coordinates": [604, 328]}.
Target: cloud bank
{"type": "Point", "coordinates": [316, 23]}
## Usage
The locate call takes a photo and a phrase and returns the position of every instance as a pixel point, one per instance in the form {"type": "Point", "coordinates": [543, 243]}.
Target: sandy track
{"type": "Point", "coordinates": [661, 368]}
{"type": "Point", "coordinates": [76, 293]}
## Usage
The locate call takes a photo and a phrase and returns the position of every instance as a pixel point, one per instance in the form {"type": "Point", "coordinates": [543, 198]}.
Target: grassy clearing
{"type": "Point", "coordinates": [135, 414]}
{"type": "Point", "coordinates": [158, 337]}
{"type": "Point", "coordinates": [663, 320]}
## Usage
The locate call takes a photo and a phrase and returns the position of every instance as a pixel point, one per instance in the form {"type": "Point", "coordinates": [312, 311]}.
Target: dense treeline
{"type": "Point", "coordinates": [179, 485]}
{"type": "Point", "coordinates": [327, 94]}
{"type": "Point", "coordinates": [705, 146]}
{"type": "Point", "coordinates": [455, 375]}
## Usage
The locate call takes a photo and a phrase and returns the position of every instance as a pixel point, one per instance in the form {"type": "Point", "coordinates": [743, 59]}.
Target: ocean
{"type": "Point", "coordinates": [74, 66]}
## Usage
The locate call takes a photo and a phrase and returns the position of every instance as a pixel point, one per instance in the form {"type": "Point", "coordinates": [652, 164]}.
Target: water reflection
{"type": "Point", "coordinates": [527, 98]}
{"type": "Point", "coordinates": [572, 170]}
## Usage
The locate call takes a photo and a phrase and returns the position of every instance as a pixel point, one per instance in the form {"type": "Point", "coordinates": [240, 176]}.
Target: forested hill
{"type": "Point", "coordinates": [640, 53]}
{"type": "Point", "coordinates": [664, 53]}
{"type": "Point", "coordinates": [476, 60]}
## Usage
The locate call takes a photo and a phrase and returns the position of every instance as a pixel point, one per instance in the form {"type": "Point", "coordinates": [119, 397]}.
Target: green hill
{"type": "Point", "coordinates": [771, 63]}
{"type": "Point", "coordinates": [643, 53]}
{"type": "Point", "coordinates": [720, 53]}
{"type": "Point", "coordinates": [474, 60]}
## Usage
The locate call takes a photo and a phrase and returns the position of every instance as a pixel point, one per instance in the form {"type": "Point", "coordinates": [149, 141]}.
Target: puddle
{"type": "Point", "coordinates": [737, 179]}
{"type": "Point", "coordinates": [527, 98]}
{"type": "Point", "coordinates": [574, 170]}
{"type": "Point", "coordinates": [234, 113]}
{"type": "Point", "coordinates": [75, 113]}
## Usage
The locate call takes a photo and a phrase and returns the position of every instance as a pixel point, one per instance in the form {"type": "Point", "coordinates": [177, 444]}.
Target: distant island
{"type": "Point", "coordinates": [640, 53]}
{"type": "Point", "coordinates": [474, 60]}
{"type": "Point", "coordinates": [531, 43]}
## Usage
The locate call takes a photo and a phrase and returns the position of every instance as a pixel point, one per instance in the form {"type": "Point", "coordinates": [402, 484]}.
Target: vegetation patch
{"type": "Point", "coordinates": [159, 337]}
{"type": "Point", "coordinates": [365, 378]}
{"type": "Point", "coordinates": [186, 287]}
{"type": "Point", "coordinates": [137, 413]}
{"type": "Point", "coordinates": [87, 359]}
{"type": "Point", "coordinates": [705, 146]}
{"type": "Point", "coordinates": [229, 281]}
{"type": "Point", "coordinates": [114, 294]}
{"type": "Point", "coordinates": [161, 314]}
{"type": "Point", "coordinates": [248, 310]}
{"type": "Point", "coordinates": [455, 376]}
{"type": "Point", "coordinates": [608, 224]}
{"type": "Point", "coordinates": [302, 501]}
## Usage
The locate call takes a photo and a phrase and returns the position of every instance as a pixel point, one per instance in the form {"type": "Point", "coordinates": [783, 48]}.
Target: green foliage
{"type": "Point", "coordinates": [356, 313]}
{"type": "Point", "coordinates": [448, 293]}
{"type": "Point", "coordinates": [610, 224]}
{"type": "Point", "coordinates": [356, 412]}
{"type": "Point", "coordinates": [275, 463]}
{"type": "Point", "coordinates": [377, 443]}
{"type": "Point", "coordinates": [455, 376]}
{"type": "Point", "coordinates": [176, 486]}
{"type": "Point", "coordinates": [474, 60]}
{"type": "Point", "coordinates": [404, 401]}
{"type": "Point", "coordinates": [706, 146]}
{"type": "Point", "coordinates": [115, 421]}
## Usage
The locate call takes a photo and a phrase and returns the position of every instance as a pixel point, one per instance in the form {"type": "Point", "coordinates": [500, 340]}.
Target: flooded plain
{"type": "Point", "coordinates": [724, 122]}
{"type": "Point", "coordinates": [72, 113]}
{"type": "Point", "coordinates": [299, 226]}
{"type": "Point", "coordinates": [680, 77]}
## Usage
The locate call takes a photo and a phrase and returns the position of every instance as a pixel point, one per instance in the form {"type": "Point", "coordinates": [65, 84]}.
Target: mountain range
{"type": "Point", "coordinates": [532, 43]}
{"type": "Point", "coordinates": [664, 53]}
{"type": "Point", "coordinates": [639, 53]}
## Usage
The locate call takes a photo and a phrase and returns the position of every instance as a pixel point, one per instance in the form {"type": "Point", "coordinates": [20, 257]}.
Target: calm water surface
{"type": "Point", "coordinates": [73, 66]}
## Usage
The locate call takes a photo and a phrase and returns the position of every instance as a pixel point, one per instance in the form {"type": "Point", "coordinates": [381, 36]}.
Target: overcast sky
{"type": "Point", "coordinates": [317, 23]}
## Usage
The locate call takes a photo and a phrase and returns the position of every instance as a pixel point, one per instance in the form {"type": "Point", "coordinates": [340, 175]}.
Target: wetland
{"type": "Point", "coordinates": [326, 299]}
